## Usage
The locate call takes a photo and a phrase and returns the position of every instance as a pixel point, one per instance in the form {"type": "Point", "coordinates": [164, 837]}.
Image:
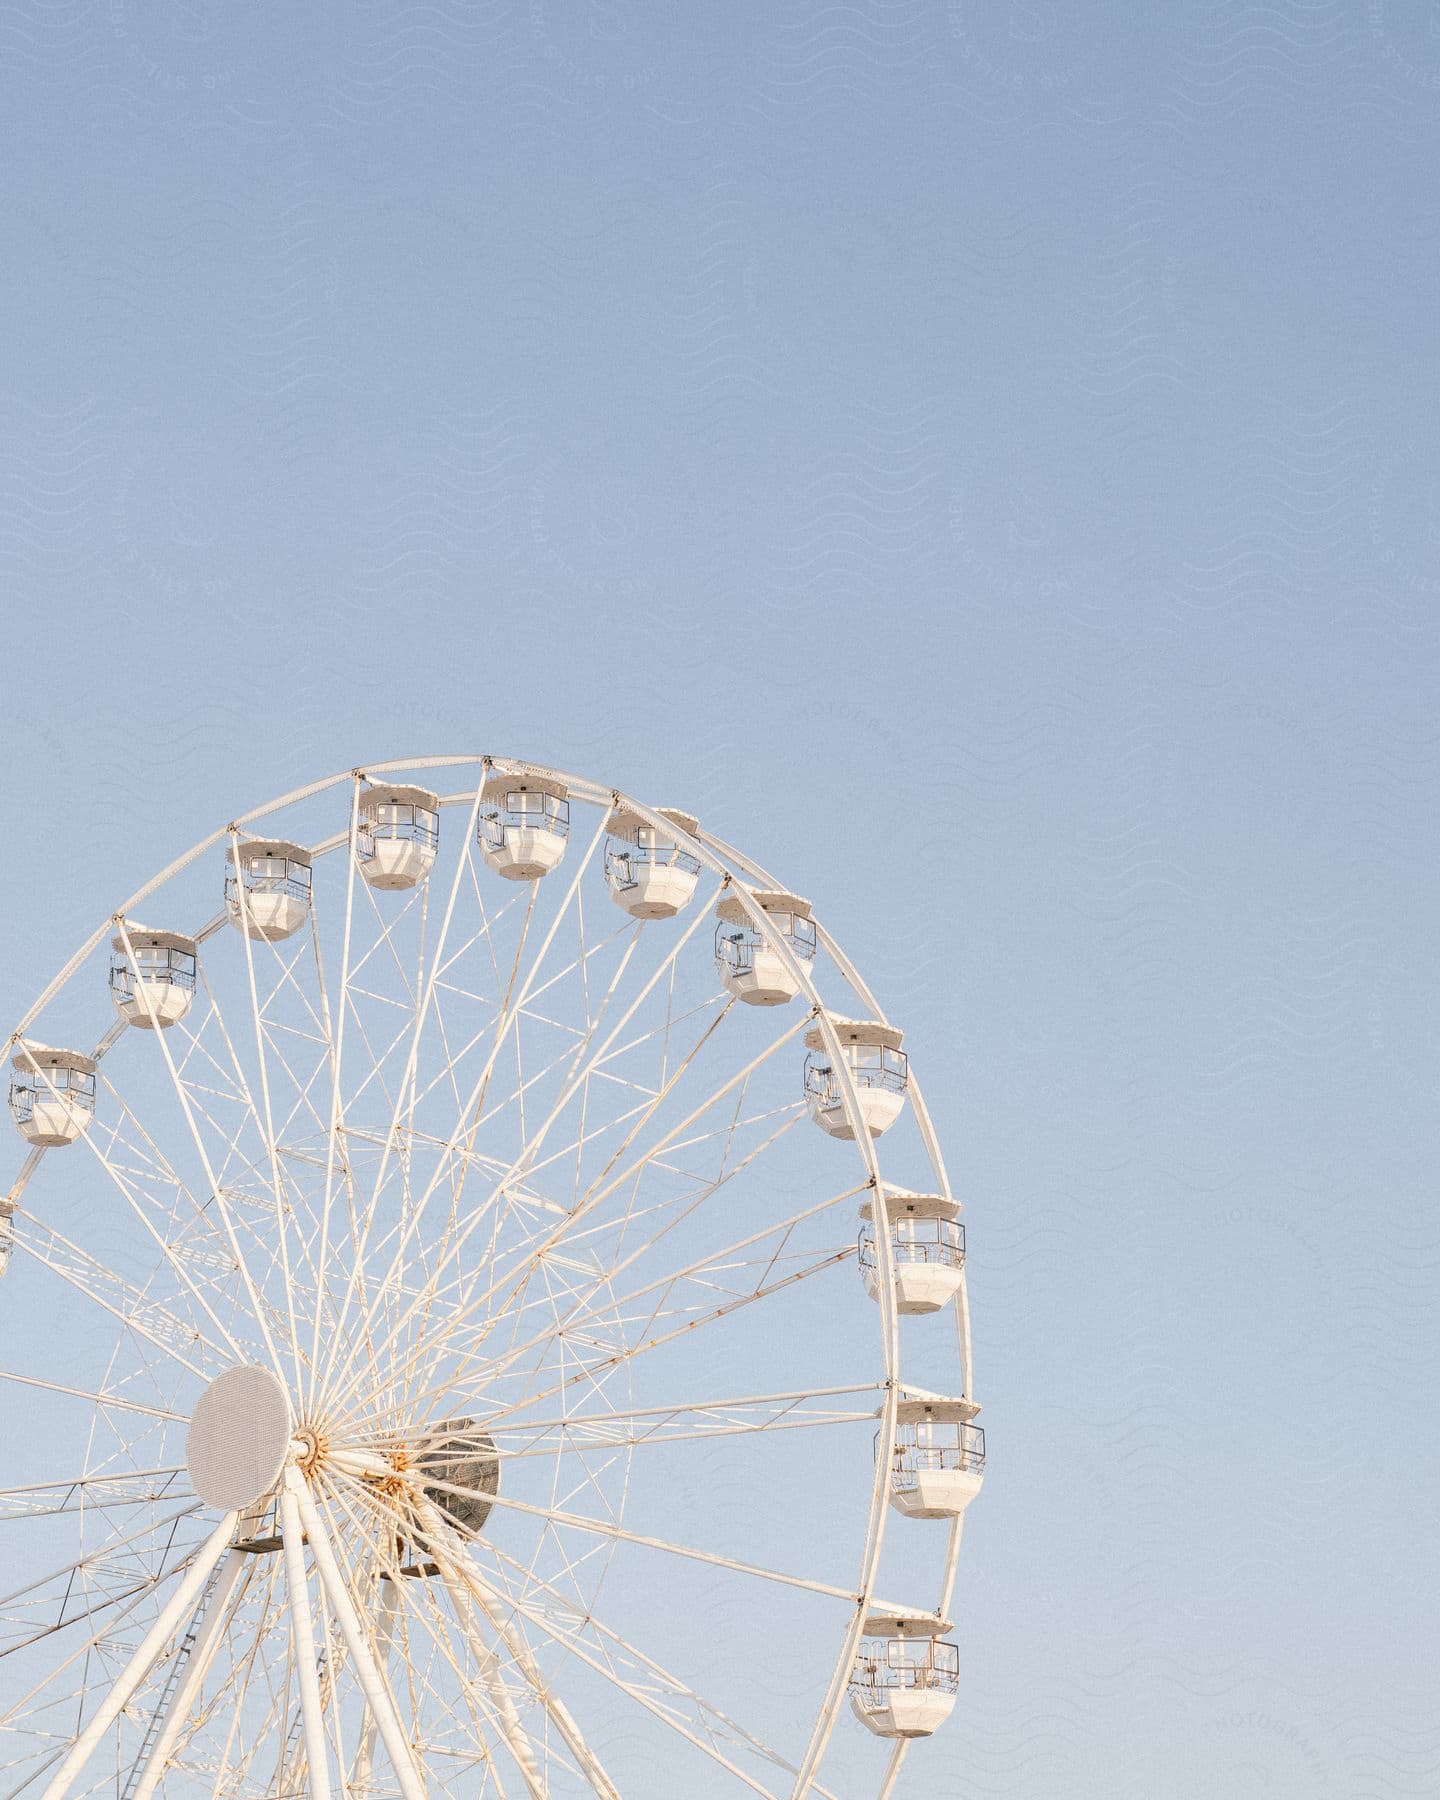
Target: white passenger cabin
{"type": "Point", "coordinates": [750, 966]}
{"type": "Point", "coordinates": [651, 874]}
{"type": "Point", "coordinates": [939, 1460]}
{"type": "Point", "coordinates": [927, 1249]}
{"type": "Point", "coordinates": [52, 1094]}
{"type": "Point", "coordinates": [524, 824]}
{"type": "Point", "coordinates": [906, 1676]}
{"type": "Point", "coordinates": [878, 1068]}
{"type": "Point", "coordinates": [397, 835]}
{"type": "Point", "coordinates": [270, 897]}
{"type": "Point", "coordinates": [152, 980]}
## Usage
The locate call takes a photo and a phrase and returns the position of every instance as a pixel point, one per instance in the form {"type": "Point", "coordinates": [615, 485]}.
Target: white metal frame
{"type": "Point", "coordinates": [241, 1271]}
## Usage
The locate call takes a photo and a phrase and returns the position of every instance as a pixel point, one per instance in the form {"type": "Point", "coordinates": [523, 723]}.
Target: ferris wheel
{"type": "Point", "coordinates": [460, 1337]}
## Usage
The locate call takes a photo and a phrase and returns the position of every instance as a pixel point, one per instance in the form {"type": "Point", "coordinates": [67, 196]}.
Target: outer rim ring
{"type": "Point", "coordinates": [724, 860]}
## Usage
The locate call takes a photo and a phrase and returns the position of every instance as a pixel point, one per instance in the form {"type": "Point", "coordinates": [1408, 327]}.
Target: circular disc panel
{"type": "Point", "coordinates": [239, 1438]}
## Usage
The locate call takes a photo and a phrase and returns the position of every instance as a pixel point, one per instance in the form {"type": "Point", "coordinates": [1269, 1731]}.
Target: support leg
{"type": "Point", "coordinates": [202, 1654]}
{"type": "Point", "coordinates": [384, 1635]}
{"type": "Point", "coordinates": [302, 1639]}
{"type": "Point", "coordinates": [180, 1603]}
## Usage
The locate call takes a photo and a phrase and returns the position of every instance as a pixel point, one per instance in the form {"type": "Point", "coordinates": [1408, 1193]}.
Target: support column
{"type": "Point", "coordinates": [181, 1602]}
{"type": "Point", "coordinates": [302, 1640]}
{"type": "Point", "coordinates": [202, 1654]}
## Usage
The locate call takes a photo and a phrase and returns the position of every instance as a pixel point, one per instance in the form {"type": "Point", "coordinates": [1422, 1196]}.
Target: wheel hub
{"type": "Point", "coordinates": [243, 1433]}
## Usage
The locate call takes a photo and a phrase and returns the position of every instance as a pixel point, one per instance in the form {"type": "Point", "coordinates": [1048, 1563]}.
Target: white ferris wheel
{"type": "Point", "coordinates": [442, 1354]}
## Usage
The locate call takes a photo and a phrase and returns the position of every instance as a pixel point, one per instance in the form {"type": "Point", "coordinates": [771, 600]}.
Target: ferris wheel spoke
{"type": "Point", "coordinates": [464, 1129]}
{"type": "Point", "coordinates": [466, 1600]}
{"type": "Point", "coordinates": [13, 1724]}
{"type": "Point", "coordinates": [106, 1617]}
{"type": "Point", "coordinates": [288, 960]}
{"type": "Point", "coordinates": [187, 1108]}
{"type": "Point", "coordinates": [384, 1635]}
{"type": "Point", "coordinates": [667, 1216]}
{"type": "Point", "coordinates": [511, 1001]}
{"type": "Point", "coordinates": [429, 1529]}
{"type": "Point", "coordinates": [655, 1341]}
{"type": "Point", "coordinates": [72, 1581]}
{"type": "Point", "coordinates": [385, 957]}
{"type": "Point", "coordinates": [603, 1336]}
{"type": "Point", "coordinates": [587, 1205]}
{"type": "Point", "coordinates": [414, 1029]}
{"type": "Point", "coordinates": [515, 1100]}
{"type": "Point", "coordinates": [172, 1257]}
{"type": "Point", "coordinates": [385, 1029]}
{"type": "Point", "coordinates": [601, 1189]}
{"type": "Point", "coordinates": [135, 1311]}
{"type": "Point", "coordinates": [490, 1706]}
{"type": "Point", "coordinates": [682, 1423]}
{"type": "Point", "coordinates": [460, 1573]}
{"type": "Point", "coordinates": [260, 1118]}
{"type": "Point", "coordinates": [405, 1033]}
{"type": "Point", "coordinates": [574, 1623]}
{"type": "Point", "coordinates": [140, 1487]}
{"type": "Point", "coordinates": [459, 1043]}
{"type": "Point", "coordinates": [525, 1160]}
{"type": "Point", "coordinates": [603, 1528]}
{"type": "Point", "coordinates": [490, 923]}
{"type": "Point", "coordinates": [507, 1715]}
{"type": "Point", "coordinates": [635, 1116]}
{"type": "Point", "coordinates": [705, 1727]}
{"type": "Point", "coordinates": [224, 1263]}
{"type": "Point", "coordinates": [215, 1084]}
{"type": "Point", "coordinates": [499, 1711]}
{"type": "Point", "coordinates": [702, 1273]}
{"type": "Point", "coordinates": [461, 1164]}
{"type": "Point", "coordinates": [353, 1284]}
{"type": "Point", "coordinates": [372, 1683]}
{"type": "Point", "coordinates": [579, 965]}
{"type": "Point", "coordinates": [98, 1399]}
{"type": "Point", "coordinates": [245, 1750]}
{"type": "Point", "coordinates": [509, 1728]}
{"type": "Point", "coordinates": [450, 1258]}
{"type": "Point", "coordinates": [613, 1359]}
{"type": "Point", "coordinates": [267, 1121]}
{"type": "Point", "coordinates": [437, 963]}
{"type": "Point", "coordinates": [43, 1768]}
{"type": "Point", "coordinates": [335, 1044]}
{"type": "Point", "coordinates": [139, 1165]}
{"type": "Point", "coordinates": [302, 1114]}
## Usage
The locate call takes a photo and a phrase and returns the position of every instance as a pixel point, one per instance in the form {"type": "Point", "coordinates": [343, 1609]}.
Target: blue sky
{"type": "Point", "coordinates": [983, 461]}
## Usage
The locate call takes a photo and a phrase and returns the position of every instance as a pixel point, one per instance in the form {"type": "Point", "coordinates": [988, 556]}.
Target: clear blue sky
{"type": "Point", "coordinates": [983, 459]}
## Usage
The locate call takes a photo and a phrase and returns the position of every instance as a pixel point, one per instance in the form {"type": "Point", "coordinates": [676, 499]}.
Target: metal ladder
{"type": "Point", "coordinates": [178, 1665]}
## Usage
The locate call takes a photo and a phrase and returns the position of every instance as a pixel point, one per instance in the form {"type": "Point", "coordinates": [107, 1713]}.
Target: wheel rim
{"type": "Point", "coordinates": [506, 1311]}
